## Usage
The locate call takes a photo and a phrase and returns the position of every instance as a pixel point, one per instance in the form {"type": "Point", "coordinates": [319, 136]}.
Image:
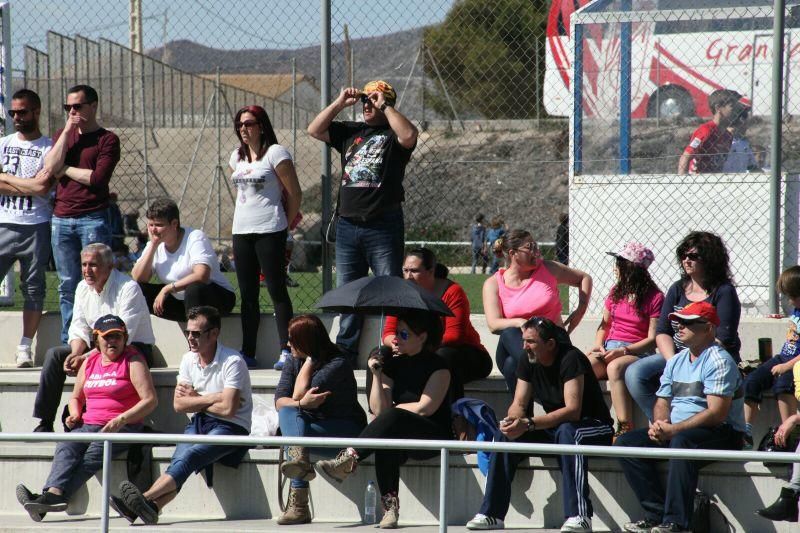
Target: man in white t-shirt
{"type": "Point", "coordinates": [214, 386]}
{"type": "Point", "coordinates": [25, 212]}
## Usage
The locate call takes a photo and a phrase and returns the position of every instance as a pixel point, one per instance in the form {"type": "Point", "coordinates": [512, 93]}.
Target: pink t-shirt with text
{"type": "Point", "coordinates": [108, 388]}
{"type": "Point", "coordinates": [626, 323]}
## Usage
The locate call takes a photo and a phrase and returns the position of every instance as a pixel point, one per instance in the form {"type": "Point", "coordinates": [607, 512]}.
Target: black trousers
{"type": "Point", "coordinates": [52, 378]}
{"type": "Point", "coordinates": [195, 294]}
{"type": "Point", "coordinates": [398, 423]}
{"type": "Point", "coordinates": [467, 363]}
{"type": "Point", "coordinates": [256, 253]}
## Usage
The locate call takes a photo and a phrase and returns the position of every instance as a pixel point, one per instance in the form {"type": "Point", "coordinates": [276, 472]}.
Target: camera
{"type": "Point", "coordinates": [364, 98]}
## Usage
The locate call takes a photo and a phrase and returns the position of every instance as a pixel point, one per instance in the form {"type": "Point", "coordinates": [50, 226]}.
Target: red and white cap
{"type": "Point", "coordinates": [695, 311]}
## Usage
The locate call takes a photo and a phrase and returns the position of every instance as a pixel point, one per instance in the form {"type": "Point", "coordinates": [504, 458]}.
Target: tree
{"type": "Point", "coordinates": [486, 53]}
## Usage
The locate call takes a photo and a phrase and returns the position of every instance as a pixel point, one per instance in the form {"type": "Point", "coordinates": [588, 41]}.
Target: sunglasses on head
{"type": "Point", "coordinates": [21, 112]}
{"type": "Point", "coordinates": [75, 107]}
{"type": "Point", "coordinates": [691, 256]}
{"type": "Point", "coordinates": [246, 123]}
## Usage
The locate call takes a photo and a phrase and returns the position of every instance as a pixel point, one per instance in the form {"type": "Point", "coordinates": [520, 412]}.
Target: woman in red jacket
{"type": "Point", "coordinates": [461, 345]}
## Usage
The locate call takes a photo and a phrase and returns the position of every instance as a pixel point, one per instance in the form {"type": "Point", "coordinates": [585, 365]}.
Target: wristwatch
{"type": "Point", "coordinates": [531, 424]}
{"type": "Point", "coordinates": [384, 106]}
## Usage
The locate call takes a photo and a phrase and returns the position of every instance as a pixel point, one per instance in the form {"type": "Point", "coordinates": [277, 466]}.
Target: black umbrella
{"type": "Point", "coordinates": [382, 295]}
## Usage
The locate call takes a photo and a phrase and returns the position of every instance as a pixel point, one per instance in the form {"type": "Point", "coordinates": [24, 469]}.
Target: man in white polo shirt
{"type": "Point", "coordinates": [103, 291]}
{"type": "Point", "coordinates": [214, 385]}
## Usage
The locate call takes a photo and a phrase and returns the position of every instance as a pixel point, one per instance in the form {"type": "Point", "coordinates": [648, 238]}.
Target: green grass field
{"type": "Point", "coordinates": [303, 297]}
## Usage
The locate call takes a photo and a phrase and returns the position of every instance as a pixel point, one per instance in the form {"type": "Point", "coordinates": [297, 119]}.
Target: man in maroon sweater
{"type": "Point", "coordinates": [83, 159]}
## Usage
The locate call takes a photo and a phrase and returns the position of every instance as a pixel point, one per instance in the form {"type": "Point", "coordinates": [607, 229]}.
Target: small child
{"type": "Point", "coordinates": [478, 238]}
{"type": "Point", "coordinates": [777, 372]}
{"type": "Point", "coordinates": [496, 230]}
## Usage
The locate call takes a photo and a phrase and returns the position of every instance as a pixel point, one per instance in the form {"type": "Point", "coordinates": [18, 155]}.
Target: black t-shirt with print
{"type": "Point", "coordinates": [373, 166]}
{"type": "Point", "coordinates": [548, 383]}
{"type": "Point", "coordinates": [410, 374]}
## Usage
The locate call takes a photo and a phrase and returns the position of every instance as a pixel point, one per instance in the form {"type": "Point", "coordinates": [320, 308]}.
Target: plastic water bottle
{"type": "Point", "coordinates": [370, 502]}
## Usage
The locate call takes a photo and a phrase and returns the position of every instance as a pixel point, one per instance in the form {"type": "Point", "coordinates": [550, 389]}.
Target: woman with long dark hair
{"type": "Point", "coordinates": [316, 397]}
{"type": "Point", "coordinates": [627, 330]}
{"type": "Point", "coordinates": [263, 173]}
{"type": "Point", "coordinates": [705, 277]}
{"type": "Point", "coordinates": [527, 287]}
{"type": "Point", "coordinates": [461, 346]}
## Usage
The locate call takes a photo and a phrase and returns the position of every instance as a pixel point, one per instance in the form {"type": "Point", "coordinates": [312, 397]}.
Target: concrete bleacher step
{"type": "Point", "coordinates": [251, 492]}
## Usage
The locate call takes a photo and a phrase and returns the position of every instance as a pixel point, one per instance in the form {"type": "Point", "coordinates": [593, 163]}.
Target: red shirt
{"type": "Point", "coordinates": [458, 329]}
{"type": "Point", "coordinates": [710, 145]}
{"type": "Point", "coordinates": [98, 150]}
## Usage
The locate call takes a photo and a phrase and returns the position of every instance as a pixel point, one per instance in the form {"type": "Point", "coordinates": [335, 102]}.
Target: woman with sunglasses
{"type": "Point", "coordinates": [627, 330]}
{"type": "Point", "coordinates": [408, 398]}
{"type": "Point", "coordinates": [113, 393]}
{"type": "Point", "coordinates": [316, 397]}
{"type": "Point", "coordinates": [527, 287]}
{"type": "Point", "coordinates": [705, 277]}
{"type": "Point", "coordinates": [263, 173]}
{"type": "Point", "coordinates": [461, 346]}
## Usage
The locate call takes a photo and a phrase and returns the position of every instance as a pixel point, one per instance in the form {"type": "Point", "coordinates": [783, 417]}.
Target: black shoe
{"type": "Point", "coordinates": [137, 503]}
{"type": "Point", "coordinates": [43, 427]}
{"type": "Point", "coordinates": [46, 503]}
{"type": "Point", "coordinates": [24, 496]}
{"type": "Point", "coordinates": [784, 508]}
{"type": "Point", "coordinates": [119, 506]}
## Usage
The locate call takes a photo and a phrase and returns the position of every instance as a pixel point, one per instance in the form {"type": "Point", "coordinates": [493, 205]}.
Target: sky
{"type": "Point", "coordinates": [231, 24]}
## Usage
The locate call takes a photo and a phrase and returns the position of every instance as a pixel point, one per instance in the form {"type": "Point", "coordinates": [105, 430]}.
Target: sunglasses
{"type": "Point", "coordinates": [195, 333]}
{"type": "Point", "coordinates": [364, 99]}
{"type": "Point", "coordinates": [690, 323]}
{"type": "Point", "coordinates": [75, 107]}
{"type": "Point", "coordinates": [403, 334]}
{"type": "Point", "coordinates": [246, 124]}
{"type": "Point", "coordinates": [21, 112]}
{"type": "Point", "coordinates": [691, 256]}
{"type": "Point", "coordinates": [530, 247]}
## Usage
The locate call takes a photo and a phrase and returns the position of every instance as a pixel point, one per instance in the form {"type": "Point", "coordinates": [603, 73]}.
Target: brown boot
{"type": "Point", "coordinates": [391, 511]}
{"type": "Point", "coordinates": [297, 511]}
{"type": "Point", "coordinates": [298, 465]}
{"type": "Point", "coordinates": [340, 468]}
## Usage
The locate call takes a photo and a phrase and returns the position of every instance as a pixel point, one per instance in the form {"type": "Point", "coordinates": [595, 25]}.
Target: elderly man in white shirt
{"type": "Point", "coordinates": [102, 291]}
{"type": "Point", "coordinates": [213, 386]}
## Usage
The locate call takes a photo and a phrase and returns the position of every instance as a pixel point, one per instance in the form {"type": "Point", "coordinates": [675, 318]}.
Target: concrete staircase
{"type": "Point", "coordinates": [249, 495]}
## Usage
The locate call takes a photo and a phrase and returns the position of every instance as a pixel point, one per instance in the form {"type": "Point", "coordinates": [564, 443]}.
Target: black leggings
{"type": "Point", "coordinates": [395, 423]}
{"type": "Point", "coordinates": [467, 363]}
{"type": "Point", "coordinates": [256, 253]}
{"type": "Point", "coordinates": [194, 295]}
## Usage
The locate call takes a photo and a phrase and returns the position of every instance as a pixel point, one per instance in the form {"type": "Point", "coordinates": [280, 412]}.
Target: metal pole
{"type": "Point", "coordinates": [775, 160]}
{"type": "Point", "coordinates": [577, 100]}
{"type": "Point", "coordinates": [144, 136]}
{"type": "Point", "coordinates": [353, 78]}
{"type": "Point", "coordinates": [294, 107]}
{"type": "Point", "coordinates": [625, 94]}
{"type": "Point", "coordinates": [325, 166]}
{"type": "Point", "coordinates": [444, 458]}
{"type": "Point", "coordinates": [9, 122]}
{"type": "Point", "coordinates": [106, 486]}
{"type": "Point", "coordinates": [218, 169]}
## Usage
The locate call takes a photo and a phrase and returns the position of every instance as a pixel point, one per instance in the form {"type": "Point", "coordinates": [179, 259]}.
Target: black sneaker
{"type": "Point", "coordinates": [119, 506]}
{"type": "Point", "coordinates": [24, 496]}
{"type": "Point", "coordinates": [43, 428]}
{"type": "Point", "coordinates": [137, 503]}
{"type": "Point", "coordinates": [670, 527]}
{"type": "Point", "coordinates": [46, 503]}
{"type": "Point", "coordinates": [640, 526]}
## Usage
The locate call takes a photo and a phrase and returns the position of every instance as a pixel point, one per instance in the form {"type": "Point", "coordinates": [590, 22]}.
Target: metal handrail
{"type": "Point", "coordinates": [444, 446]}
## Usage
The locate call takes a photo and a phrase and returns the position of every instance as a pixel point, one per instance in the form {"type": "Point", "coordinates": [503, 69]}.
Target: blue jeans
{"type": "Point", "coordinates": [508, 355]}
{"type": "Point", "coordinates": [68, 238]}
{"type": "Point", "coordinates": [762, 379]}
{"type": "Point", "coordinates": [574, 468]}
{"type": "Point", "coordinates": [360, 246]}
{"type": "Point", "coordinates": [676, 503]}
{"type": "Point", "coordinates": [295, 422]}
{"type": "Point", "coordinates": [190, 458]}
{"type": "Point", "coordinates": [642, 379]}
{"type": "Point", "coordinates": [74, 463]}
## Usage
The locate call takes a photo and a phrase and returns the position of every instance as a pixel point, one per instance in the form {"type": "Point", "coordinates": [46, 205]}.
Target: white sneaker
{"type": "Point", "coordinates": [481, 521]}
{"type": "Point", "coordinates": [24, 359]}
{"type": "Point", "coordinates": [577, 524]}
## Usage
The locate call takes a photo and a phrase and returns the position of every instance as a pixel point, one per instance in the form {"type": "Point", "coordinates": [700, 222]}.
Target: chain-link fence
{"type": "Point", "coordinates": [645, 76]}
{"type": "Point", "coordinates": [469, 73]}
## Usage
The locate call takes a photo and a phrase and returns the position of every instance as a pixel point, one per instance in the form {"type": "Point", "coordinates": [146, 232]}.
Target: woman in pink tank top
{"type": "Point", "coordinates": [528, 287]}
{"type": "Point", "coordinates": [115, 387]}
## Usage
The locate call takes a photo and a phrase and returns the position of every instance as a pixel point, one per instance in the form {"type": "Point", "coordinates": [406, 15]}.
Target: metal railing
{"type": "Point", "coordinates": [444, 446]}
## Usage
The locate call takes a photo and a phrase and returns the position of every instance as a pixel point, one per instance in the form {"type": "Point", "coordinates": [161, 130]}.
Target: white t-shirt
{"type": "Point", "coordinates": [195, 249]}
{"type": "Point", "coordinates": [227, 371]}
{"type": "Point", "coordinates": [258, 198]}
{"type": "Point", "coordinates": [24, 159]}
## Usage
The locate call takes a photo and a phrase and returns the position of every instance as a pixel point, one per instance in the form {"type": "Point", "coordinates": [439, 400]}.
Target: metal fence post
{"type": "Point", "coordinates": [106, 485]}
{"type": "Point", "coordinates": [775, 159]}
{"type": "Point", "coordinates": [325, 170]}
{"type": "Point", "coordinates": [146, 162]}
{"type": "Point", "coordinates": [444, 458]}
